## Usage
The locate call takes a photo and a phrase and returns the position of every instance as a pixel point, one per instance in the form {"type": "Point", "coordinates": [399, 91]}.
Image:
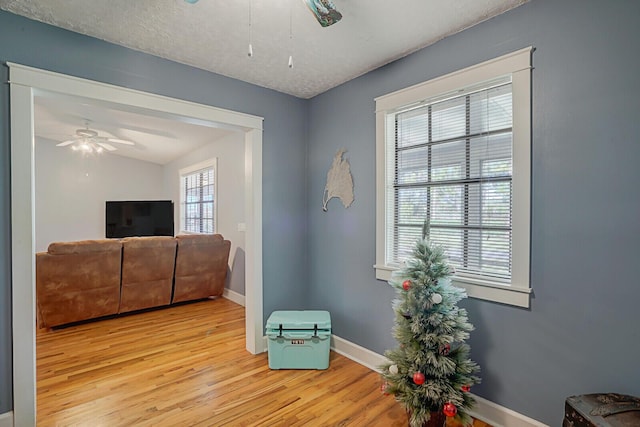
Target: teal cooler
{"type": "Point", "coordinates": [299, 339]}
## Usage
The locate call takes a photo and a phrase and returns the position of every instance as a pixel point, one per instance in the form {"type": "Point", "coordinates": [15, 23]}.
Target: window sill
{"type": "Point", "coordinates": [504, 294]}
{"type": "Point", "coordinates": [192, 232]}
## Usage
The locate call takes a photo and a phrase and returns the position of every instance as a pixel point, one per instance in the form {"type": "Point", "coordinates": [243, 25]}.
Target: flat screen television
{"type": "Point", "coordinates": [139, 218]}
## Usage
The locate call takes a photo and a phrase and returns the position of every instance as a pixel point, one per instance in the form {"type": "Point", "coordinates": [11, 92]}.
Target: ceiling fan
{"type": "Point", "coordinates": [88, 141]}
{"type": "Point", "coordinates": [324, 11]}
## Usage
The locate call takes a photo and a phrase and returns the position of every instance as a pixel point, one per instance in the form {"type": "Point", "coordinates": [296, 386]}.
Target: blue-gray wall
{"type": "Point", "coordinates": [284, 148]}
{"type": "Point", "coordinates": [581, 334]}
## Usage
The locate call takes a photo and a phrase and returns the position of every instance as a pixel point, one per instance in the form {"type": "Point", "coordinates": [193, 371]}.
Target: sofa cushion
{"type": "Point", "coordinates": [147, 272]}
{"type": "Point", "coordinates": [78, 281]}
{"type": "Point", "coordinates": [201, 266]}
{"type": "Point", "coordinates": [199, 239]}
{"type": "Point", "coordinates": [84, 246]}
{"type": "Point", "coordinates": [149, 242]}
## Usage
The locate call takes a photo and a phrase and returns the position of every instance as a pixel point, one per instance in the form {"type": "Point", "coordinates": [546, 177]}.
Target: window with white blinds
{"type": "Point", "coordinates": [198, 202]}
{"type": "Point", "coordinates": [454, 153]}
{"type": "Point", "coordinates": [451, 167]}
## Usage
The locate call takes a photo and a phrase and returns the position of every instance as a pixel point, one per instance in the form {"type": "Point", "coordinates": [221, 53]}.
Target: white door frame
{"type": "Point", "coordinates": [24, 83]}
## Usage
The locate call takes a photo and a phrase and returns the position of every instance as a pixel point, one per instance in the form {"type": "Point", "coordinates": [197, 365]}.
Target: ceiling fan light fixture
{"type": "Point", "coordinates": [88, 147]}
{"type": "Point", "coordinates": [88, 141]}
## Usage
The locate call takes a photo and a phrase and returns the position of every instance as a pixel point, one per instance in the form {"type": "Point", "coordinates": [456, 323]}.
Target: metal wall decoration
{"type": "Point", "coordinates": [339, 182]}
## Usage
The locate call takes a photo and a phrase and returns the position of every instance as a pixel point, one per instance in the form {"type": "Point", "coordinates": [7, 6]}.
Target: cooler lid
{"type": "Point", "coordinates": [300, 319]}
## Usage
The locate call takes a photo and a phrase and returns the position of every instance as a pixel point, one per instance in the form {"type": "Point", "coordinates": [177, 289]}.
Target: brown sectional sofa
{"type": "Point", "coordinates": [83, 280]}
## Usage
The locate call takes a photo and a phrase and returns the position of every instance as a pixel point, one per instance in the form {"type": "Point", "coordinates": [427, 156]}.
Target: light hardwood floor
{"type": "Point", "coordinates": [187, 366]}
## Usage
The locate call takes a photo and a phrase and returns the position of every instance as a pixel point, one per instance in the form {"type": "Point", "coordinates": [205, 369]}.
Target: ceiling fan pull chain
{"type": "Point", "coordinates": [291, 34]}
{"type": "Point", "coordinates": [250, 32]}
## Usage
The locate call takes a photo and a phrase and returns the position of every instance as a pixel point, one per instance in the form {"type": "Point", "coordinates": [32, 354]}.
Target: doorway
{"type": "Point", "coordinates": [27, 82]}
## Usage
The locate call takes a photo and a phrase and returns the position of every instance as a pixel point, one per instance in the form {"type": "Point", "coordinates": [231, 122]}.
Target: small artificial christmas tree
{"type": "Point", "coordinates": [430, 373]}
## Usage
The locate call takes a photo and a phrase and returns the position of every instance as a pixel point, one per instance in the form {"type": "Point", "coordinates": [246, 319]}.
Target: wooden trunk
{"type": "Point", "coordinates": [602, 410]}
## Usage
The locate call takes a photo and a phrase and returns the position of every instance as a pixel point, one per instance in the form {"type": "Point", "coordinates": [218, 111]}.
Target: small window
{"type": "Point", "coordinates": [198, 202]}
{"type": "Point", "coordinates": [454, 153]}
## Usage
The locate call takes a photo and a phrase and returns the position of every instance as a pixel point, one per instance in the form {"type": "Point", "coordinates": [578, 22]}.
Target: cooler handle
{"type": "Point", "coordinates": [315, 330]}
{"type": "Point", "coordinates": [298, 335]}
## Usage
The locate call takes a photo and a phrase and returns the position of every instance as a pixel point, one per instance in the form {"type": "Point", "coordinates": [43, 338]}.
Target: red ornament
{"type": "Point", "coordinates": [384, 388]}
{"type": "Point", "coordinates": [465, 388]}
{"type": "Point", "coordinates": [445, 349]}
{"type": "Point", "coordinates": [450, 409]}
{"type": "Point", "coordinates": [418, 378]}
{"type": "Point", "coordinates": [406, 285]}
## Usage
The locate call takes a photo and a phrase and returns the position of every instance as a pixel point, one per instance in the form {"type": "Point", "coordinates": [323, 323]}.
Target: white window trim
{"type": "Point", "coordinates": [518, 65]}
{"type": "Point", "coordinates": [210, 163]}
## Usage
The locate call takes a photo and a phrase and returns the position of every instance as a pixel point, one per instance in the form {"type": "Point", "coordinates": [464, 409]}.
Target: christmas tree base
{"type": "Point", "coordinates": [438, 419]}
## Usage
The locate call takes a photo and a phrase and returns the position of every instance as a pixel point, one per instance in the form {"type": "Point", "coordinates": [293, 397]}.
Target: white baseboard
{"type": "Point", "coordinates": [358, 354]}
{"type": "Point", "coordinates": [232, 296]}
{"type": "Point", "coordinates": [499, 416]}
{"type": "Point", "coordinates": [6, 419]}
{"type": "Point", "coordinates": [484, 410]}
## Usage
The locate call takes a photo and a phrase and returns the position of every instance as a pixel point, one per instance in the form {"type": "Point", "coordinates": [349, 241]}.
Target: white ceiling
{"type": "Point", "coordinates": [157, 139]}
{"type": "Point", "coordinates": [214, 35]}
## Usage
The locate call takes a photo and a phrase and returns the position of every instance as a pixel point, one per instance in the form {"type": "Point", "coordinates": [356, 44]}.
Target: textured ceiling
{"type": "Point", "coordinates": [214, 34]}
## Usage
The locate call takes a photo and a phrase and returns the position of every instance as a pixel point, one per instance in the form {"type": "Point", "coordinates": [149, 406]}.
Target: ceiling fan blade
{"type": "Point", "coordinates": [114, 140]}
{"type": "Point", "coordinates": [120, 141]}
{"type": "Point", "coordinates": [65, 143]}
{"type": "Point", "coordinates": [106, 146]}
